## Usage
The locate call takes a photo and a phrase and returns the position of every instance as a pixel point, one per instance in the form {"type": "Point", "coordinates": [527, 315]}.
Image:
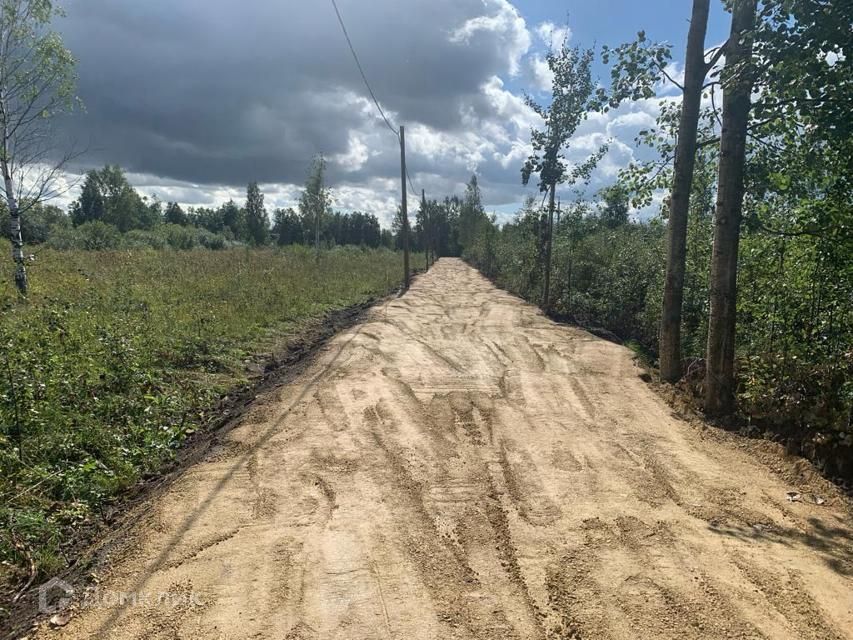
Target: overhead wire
{"type": "Point", "coordinates": [393, 129]}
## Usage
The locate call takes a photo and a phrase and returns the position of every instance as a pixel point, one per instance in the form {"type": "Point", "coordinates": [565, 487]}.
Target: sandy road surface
{"type": "Point", "coordinates": [458, 466]}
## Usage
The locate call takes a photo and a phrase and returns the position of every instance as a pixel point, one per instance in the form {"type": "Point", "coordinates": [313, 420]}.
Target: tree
{"type": "Point", "coordinates": [233, 219]}
{"type": "Point", "coordinates": [108, 197]}
{"type": "Point", "coordinates": [640, 65]}
{"type": "Point", "coordinates": [287, 227]}
{"type": "Point", "coordinates": [175, 215]}
{"type": "Point", "coordinates": [615, 206]}
{"type": "Point", "coordinates": [695, 70]}
{"type": "Point", "coordinates": [206, 218]}
{"type": "Point", "coordinates": [471, 213]}
{"type": "Point", "coordinates": [572, 98]}
{"type": "Point", "coordinates": [737, 102]}
{"type": "Point", "coordinates": [257, 220]}
{"type": "Point", "coordinates": [315, 202]}
{"type": "Point", "coordinates": [36, 85]}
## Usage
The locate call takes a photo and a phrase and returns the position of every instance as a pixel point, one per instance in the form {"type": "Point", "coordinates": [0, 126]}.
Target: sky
{"type": "Point", "coordinates": [196, 98]}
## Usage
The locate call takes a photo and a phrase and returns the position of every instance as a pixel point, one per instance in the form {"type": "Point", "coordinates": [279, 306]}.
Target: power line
{"type": "Point", "coordinates": [361, 70]}
{"type": "Point", "coordinates": [411, 186]}
{"type": "Point", "coordinates": [393, 129]}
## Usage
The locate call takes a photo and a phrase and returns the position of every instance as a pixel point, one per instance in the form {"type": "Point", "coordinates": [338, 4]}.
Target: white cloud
{"type": "Point", "coordinates": [505, 22]}
{"type": "Point", "coordinates": [356, 155]}
{"type": "Point", "coordinates": [553, 36]}
{"type": "Point", "coordinates": [543, 77]}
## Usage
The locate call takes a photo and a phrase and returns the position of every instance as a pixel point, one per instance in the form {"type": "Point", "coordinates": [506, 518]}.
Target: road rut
{"type": "Point", "coordinates": [459, 466]}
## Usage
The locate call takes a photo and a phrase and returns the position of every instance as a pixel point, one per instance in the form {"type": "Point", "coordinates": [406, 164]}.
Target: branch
{"type": "Point", "coordinates": [669, 77]}
{"type": "Point", "coordinates": [715, 57]}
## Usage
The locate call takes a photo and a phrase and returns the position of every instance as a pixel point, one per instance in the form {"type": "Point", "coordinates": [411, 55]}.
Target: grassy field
{"type": "Point", "coordinates": [117, 356]}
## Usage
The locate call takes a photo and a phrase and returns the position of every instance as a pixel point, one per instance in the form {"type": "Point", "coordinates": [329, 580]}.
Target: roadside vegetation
{"type": "Point", "coordinates": [117, 356]}
{"type": "Point", "coordinates": [741, 285]}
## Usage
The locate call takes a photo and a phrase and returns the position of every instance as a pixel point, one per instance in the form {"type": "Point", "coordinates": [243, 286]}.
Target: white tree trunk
{"type": "Point", "coordinates": [15, 231]}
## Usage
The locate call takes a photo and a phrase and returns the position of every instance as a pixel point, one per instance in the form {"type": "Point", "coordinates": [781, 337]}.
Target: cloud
{"type": "Point", "coordinates": [197, 98]}
{"type": "Point", "coordinates": [506, 23]}
{"type": "Point", "coordinates": [553, 36]}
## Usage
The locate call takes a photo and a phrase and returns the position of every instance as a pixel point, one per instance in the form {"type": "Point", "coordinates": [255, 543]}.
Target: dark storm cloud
{"type": "Point", "coordinates": [223, 92]}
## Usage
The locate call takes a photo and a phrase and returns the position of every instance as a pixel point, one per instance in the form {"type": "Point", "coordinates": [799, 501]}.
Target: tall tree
{"type": "Point", "coordinates": [471, 212]}
{"type": "Point", "coordinates": [257, 220]}
{"type": "Point", "coordinates": [737, 102]}
{"type": "Point", "coordinates": [36, 84]}
{"type": "Point", "coordinates": [233, 219]}
{"type": "Point", "coordinates": [315, 201]}
{"type": "Point", "coordinates": [695, 70]}
{"type": "Point", "coordinates": [572, 92]}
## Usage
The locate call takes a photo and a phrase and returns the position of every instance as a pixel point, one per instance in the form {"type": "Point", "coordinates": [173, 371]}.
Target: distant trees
{"type": "Point", "coordinates": [234, 219]}
{"type": "Point", "coordinates": [287, 227]}
{"type": "Point", "coordinates": [108, 197]}
{"type": "Point", "coordinates": [314, 203]}
{"type": "Point", "coordinates": [110, 212]}
{"type": "Point", "coordinates": [36, 83]}
{"type": "Point", "coordinates": [175, 215]}
{"type": "Point", "coordinates": [615, 205]}
{"type": "Point", "coordinates": [257, 220]}
{"type": "Point", "coordinates": [471, 212]}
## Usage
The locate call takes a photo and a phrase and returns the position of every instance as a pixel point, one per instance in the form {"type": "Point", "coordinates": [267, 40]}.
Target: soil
{"type": "Point", "coordinates": [459, 466]}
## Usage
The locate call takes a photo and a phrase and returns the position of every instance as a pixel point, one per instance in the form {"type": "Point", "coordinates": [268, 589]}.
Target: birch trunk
{"type": "Point", "coordinates": [546, 293]}
{"type": "Point", "coordinates": [15, 231]}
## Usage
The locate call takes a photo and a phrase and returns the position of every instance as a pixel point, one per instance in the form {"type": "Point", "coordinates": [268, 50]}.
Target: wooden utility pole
{"type": "Point", "coordinates": [317, 228]}
{"type": "Point", "coordinates": [426, 225]}
{"type": "Point", "coordinates": [546, 293]}
{"type": "Point", "coordinates": [404, 210]}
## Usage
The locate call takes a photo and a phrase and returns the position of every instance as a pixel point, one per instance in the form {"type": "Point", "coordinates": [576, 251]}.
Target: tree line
{"type": "Point", "coordinates": [110, 213]}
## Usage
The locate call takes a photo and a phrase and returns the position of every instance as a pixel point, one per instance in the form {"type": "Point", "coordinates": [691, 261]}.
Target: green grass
{"type": "Point", "coordinates": [118, 356]}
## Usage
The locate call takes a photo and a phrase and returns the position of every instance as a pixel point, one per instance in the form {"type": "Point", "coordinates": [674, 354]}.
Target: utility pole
{"type": "Point", "coordinates": [546, 294]}
{"type": "Point", "coordinates": [319, 210]}
{"type": "Point", "coordinates": [404, 207]}
{"type": "Point", "coordinates": [426, 225]}
{"type": "Point", "coordinates": [317, 228]}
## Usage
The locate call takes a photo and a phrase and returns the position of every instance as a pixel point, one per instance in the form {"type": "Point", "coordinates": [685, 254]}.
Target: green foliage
{"type": "Point", "coordinates": [637, 68]}
{"type": "Point", "coordinates": [315, 202]}
{"type": "Point", "coordinates": [572, 98]}
{"type": "Point", "coordinates": [117, 356]}
{"type": "Point", "coordinates": [108, 197]}
{"type": "Point", "coordinates": [287, 227]}
{"type": "Point", "coordinates": [175, 215]}
{"type": "Point", "coordinates": [39, 221]}
{"type": "Point", "coordinates": [615, 206]}
{"type": "Point", "coordinates": [257, 220]}
{"type": "Point", "coordinates": [795, 320]}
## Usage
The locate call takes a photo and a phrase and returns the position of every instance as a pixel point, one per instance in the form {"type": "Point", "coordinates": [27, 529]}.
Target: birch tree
{"type": "Point", "coordinates": [573, 96]}
{"type": "Point", "coordinates": [37, 81]}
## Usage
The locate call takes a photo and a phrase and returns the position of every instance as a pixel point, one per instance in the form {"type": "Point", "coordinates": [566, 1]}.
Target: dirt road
{"type": "Point", "coordinates": [458, 466]}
